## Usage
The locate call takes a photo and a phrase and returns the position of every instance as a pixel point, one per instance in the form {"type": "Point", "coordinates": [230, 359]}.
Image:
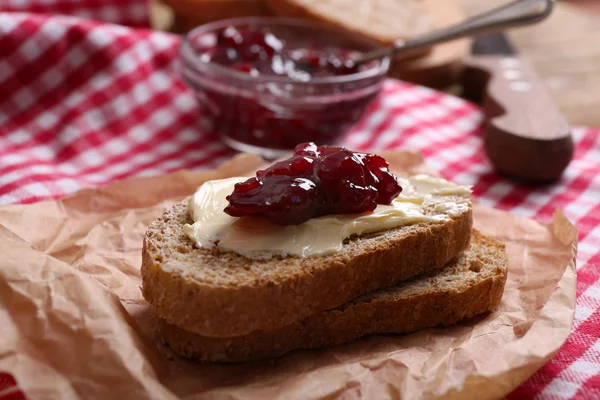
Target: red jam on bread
{"type": "Point", "coordinates": [315, 181]}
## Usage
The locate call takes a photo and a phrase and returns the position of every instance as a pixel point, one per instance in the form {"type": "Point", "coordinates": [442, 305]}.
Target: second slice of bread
{"type": "Point", "coordinates": [226, 295]}
{"type": "Point", "coordinates": [470, 285]}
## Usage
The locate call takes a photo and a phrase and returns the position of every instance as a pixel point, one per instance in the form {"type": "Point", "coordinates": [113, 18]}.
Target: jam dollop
{"type": "Point", "coordinates": [259, 52]}
{"type": "Point", "coordinates": [315, 181]}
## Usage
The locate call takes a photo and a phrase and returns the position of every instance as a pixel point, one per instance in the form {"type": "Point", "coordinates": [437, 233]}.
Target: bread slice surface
{"type": "Point", "coordinates": [226, 295]}
{"type": "Point", "coordinates": [469, 285]}
{"type": "Point", "coordinates": [381, 20]}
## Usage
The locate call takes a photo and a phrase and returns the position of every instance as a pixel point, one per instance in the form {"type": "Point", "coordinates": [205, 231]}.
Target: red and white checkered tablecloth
{"type": "Point", "coordinates": [125, 12]}
{"type": "Point", "coordinates": [83, 103]}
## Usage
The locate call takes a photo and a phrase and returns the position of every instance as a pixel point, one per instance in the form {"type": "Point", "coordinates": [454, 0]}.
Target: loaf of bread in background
{"type": "Point", "coordinates": [383, 21]}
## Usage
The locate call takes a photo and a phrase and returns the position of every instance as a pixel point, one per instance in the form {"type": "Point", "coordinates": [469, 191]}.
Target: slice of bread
{"type": "Point", "coordinates": [384, 21]}
{"type": "Point", "coordinates": [225, 294]}
{"type": "Point", "coordinates": [470, 285]}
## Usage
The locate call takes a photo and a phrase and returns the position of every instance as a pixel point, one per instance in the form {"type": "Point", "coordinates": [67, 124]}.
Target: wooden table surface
{"type": "Point", "coordinates": [564, 50]}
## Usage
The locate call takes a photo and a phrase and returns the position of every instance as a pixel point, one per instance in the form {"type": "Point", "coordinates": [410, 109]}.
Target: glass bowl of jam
{"type": "Point", "coordinates": [267, 84]}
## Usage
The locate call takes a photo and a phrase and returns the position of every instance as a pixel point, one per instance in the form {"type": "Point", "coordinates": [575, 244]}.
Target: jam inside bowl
{"type": "Point", "coordinates": [267, 84]}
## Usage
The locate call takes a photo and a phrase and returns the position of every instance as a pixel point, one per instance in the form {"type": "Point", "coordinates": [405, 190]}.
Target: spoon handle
{"type": "Point", "coordinates": [516, 13]}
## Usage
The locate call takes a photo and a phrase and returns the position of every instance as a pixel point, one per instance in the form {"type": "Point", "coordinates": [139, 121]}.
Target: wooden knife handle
{"type": "Point", "coordinates": [526, 137]}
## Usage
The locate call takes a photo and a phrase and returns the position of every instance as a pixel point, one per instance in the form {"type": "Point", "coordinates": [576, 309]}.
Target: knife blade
{"type": "Point", "coordinates": [494, 44]}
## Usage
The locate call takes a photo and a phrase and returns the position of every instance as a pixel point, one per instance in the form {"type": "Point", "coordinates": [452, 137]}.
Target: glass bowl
{"type": "Point", "coordinates": [270, 114]}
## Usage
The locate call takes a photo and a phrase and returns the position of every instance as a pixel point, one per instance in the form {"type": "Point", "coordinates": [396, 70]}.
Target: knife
{"type": "Point", "coordinates": [525, 137]}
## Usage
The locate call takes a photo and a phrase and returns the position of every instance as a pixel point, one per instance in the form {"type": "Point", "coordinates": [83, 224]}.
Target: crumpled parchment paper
{"type": "Point", "coordinates": [73, 323]}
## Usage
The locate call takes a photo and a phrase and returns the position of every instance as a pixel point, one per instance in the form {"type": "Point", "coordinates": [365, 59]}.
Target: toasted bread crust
{"type": "Point", "coordinates": [422, 302]}
{"type": "Point", "coordinates": [227, 295]}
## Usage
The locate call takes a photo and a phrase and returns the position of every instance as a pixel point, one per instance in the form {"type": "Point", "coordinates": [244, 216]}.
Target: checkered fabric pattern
{"type": "Point", "coordinates": [85, 103]}
{"type": "Point", "coordinates": [124, 12]}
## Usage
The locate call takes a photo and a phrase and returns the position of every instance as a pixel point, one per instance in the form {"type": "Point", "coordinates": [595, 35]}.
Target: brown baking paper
{"type": "Point", "coordinates": [73, 323]}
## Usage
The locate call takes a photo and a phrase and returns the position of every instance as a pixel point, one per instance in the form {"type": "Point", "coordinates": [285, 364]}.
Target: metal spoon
{"type": "Point", "coordinates": [516, 13]}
